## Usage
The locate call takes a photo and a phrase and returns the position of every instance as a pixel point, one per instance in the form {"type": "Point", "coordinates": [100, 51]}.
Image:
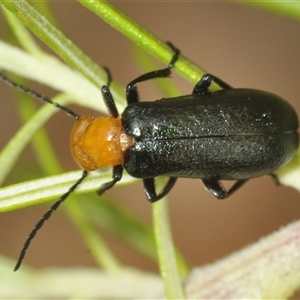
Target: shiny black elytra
{"type": "Point", "coordinates": [231, 134]}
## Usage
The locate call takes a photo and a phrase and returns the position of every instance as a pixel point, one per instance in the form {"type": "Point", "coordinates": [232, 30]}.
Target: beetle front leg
{"type": "Point", "coordinates": [116, 175]}
{"type": "Point", "coordinates": [216, 188]}
{"type": "Point", "coordinates": [150, 190]}
{"type": "Point", "coordinates": [109, 101]}
{"type": "Point", "coordinates": [107, 96]}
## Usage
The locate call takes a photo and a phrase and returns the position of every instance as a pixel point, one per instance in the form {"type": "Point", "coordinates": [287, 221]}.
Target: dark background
{"type": "Point", "coordinates": [242, 45]}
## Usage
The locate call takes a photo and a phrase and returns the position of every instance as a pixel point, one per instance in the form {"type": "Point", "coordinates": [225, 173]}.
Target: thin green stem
{"type": "Point", "coordinates": [15, 146]}
{"type": "Point", "coordinates": [38, 191]}
{"type": "Point", "coordinates": [58, 42]}
{"type": "Point", "coordinates": [142, 37]}
{"type": "Point", "coordinates": [21, 33]}
{"type": "Point", "coordinates": [166, 251]}
{"type": "Point", "coordinates": [101, 252]}
{"type": "Point", "coordinates": [290, 9]}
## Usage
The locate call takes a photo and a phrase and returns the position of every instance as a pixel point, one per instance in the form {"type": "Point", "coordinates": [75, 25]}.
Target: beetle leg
{"type": "Point", "coordinates": [215, 187]}
{"type": "Point", "coordinates": [203, 85]}
{"type": "Point", "coordinates": [150, 191]}
{"type": "Point", "coordinates": [109, 101]}
{"type": "Point", "coordinates": [131, 89]}
{"type": "Point", "coordinates": [116, 175]}
{"type": "Point", "coordinates": [107, 96]}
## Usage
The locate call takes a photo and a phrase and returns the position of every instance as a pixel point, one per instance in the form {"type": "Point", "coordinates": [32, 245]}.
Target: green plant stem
{"type": "Point", "coordinates": [15, 146]}
{"type": "Point", "coordinates": [58, 42]}
{"type": "Point", "coordinates": [21, 33]}
{"type": "Point", "coordinates": [103, 255]}
{"type": "Point", "coordinates": [290, 9]}
{"type": "Point", "coordinates": [143, 37]}
{"type": "Point", "coordinates": [42, 146]}
{"type": "Point", "coordinates": [166, 251]}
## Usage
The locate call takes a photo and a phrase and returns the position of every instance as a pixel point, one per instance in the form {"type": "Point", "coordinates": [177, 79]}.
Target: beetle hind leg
{"type": "Point", "coordinates": [150, 190]}
{"type": "Point", "coordinates": [216, 188]}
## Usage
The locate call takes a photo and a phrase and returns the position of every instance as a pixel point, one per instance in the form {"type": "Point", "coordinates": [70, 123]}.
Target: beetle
{"type": "Point", "coordinates": [230, 134]}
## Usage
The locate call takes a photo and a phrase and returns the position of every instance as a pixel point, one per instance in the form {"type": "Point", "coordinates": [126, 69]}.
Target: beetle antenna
{"type": "Point", "coordinates": [38, 96]}
{"type": "Point", "coordinates": [45, 217]}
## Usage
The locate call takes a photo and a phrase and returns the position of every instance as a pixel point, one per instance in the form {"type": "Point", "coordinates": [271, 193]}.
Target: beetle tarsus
{"type": "Point", "coordinates": [150, 190]}
{"type": "Point", "coordinates": [216, 188]}
{"type": "Point", "coordinates": [203, 85]}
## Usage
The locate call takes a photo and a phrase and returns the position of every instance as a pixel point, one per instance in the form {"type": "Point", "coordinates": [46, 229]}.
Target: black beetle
{"type": "Point", "coordinates": [231, 134]}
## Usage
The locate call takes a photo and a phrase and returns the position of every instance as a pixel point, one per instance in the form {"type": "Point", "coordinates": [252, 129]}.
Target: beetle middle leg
{"type": "Point", "coordinates": [150, 191]}
{"type": "Point", "coordinates": [215, 187]}
{"type": "Point", "coordinates": [131, 89]}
